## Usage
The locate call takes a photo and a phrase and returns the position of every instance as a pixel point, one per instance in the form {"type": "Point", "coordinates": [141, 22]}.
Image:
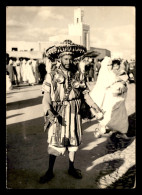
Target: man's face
{"type": "Point", "coordinates": [66, 61]}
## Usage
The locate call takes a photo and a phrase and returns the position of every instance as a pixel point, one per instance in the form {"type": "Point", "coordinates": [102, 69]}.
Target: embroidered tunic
{"type": "Point", "coordinates": [65, 89]}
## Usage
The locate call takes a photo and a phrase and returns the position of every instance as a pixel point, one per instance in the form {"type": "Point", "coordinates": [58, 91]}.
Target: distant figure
{"type": "Point", "coordinates": [42, 71]}
{"type": "Point", "coordinates": [9, 68]}
{"type": "Point", "coordinates": [15, 72]}
{"type": "Point", "coordinates": [91, 70]}
{"type": "Point", "coordinates": [35, 70]}
{"type": "Point", "coordinates": [24, 71]}
{"type": "Point", "coordinates": [18, 71]}
{"type": "Point", "coordinates": [21, 69]}
{"type": "Point", "coordinates": [98, 66]}
{"type": "Point", "coordinates": [30, 73]}
{"type": "Point", "coordinates": [131, 71]}
{"type": "Point", "coordinates": [8, 81]}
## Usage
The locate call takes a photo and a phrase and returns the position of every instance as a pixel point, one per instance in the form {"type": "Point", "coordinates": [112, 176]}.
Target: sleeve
{"type": "Point", "coordinates": [90, 101]}
{"type": "Point", "coordinates": [82, 81]}
{"type": "Point", "coordinates": [46, 102]}
{"type": "Point", "coordinates": [46, 86]}
{"type": "Point", "coordinates": [46, 90]}
{"type": "Point", "coordinates": [119, 88]}
{"type": "Point", "coordinates": [87, 98]}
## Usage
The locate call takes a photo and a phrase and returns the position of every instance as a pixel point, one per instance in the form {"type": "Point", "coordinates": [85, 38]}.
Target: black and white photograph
{"type": "Point", "coordinates": [70, 97]}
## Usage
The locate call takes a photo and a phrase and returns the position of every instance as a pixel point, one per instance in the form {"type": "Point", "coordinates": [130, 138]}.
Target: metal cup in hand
{"type": "Point", "coordinates": [93, 112]}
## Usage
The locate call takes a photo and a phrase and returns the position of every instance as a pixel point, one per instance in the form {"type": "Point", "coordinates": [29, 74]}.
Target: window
{"type": "Point", "coordinates": [14, 49]}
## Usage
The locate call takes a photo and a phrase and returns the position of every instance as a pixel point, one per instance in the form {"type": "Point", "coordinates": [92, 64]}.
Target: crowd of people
{"type": "Point", "coordinates": [93, 66]}
{"type": "Point", "coordinates": [33, 71]}
{"type": "Point", "coordinates": [24, 71]}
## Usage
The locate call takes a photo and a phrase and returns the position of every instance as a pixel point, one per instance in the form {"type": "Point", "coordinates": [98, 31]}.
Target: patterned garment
{"type": "Point", "coordinates": [65, 88]}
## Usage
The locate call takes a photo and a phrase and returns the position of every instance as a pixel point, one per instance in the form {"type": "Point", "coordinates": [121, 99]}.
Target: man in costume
{"type": "Point", "coordinates": [62, 90]}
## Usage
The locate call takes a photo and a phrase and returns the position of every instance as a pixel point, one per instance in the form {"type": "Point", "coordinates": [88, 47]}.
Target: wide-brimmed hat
{"type": "Point", "coordinates": [66, 48]}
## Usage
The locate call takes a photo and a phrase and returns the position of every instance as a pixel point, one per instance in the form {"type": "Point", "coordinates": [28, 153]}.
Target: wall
{"type": "Point", "coordinates": [103, 52]}
{"type": "Point", "coordinates": [21, 45]}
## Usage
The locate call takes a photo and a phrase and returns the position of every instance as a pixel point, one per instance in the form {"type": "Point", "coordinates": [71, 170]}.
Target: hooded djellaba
{"type": "Point", "coordinates": [109, 94]}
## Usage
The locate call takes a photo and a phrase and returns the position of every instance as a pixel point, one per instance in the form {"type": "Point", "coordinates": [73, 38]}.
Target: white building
{"type": "Point", "coordinates": [21, 46]}
{"type": "Point", "coordinates": [78, 32]}
{"type": "Point", "coordinates": [27, 46]}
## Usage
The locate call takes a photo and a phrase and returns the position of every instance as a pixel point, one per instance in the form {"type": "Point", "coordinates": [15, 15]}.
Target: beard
{"type": "Point", "coordinates": [66, 66]}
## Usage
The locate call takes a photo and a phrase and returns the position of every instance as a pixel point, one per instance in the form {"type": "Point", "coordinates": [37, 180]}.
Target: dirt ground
{"type": "Point", "coordinates": [27, 157]}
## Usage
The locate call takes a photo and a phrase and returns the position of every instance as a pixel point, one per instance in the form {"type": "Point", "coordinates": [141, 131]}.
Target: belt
{"type": "Point", "coordinates": [61, 102]}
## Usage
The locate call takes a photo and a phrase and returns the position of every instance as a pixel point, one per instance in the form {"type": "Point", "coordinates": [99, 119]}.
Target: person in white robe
{"type": "Point", "coordinates": [8, 82]}
{"type": "Point", "coordinates": [18, 70]}
{"type": "Point", "coordinates": [30, 73]}
{"type": "Point", "coordinates": [109, 94]}
{"type": "Point", "coordinates": [24, 71]}
{"type": "Point", "coordinates": [35, 70]}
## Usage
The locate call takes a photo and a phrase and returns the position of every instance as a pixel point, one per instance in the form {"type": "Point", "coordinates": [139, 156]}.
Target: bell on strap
{"type": "Point", "coordinates": [54, 140]}
{"type": "Point", "coordinates": [65, 141]}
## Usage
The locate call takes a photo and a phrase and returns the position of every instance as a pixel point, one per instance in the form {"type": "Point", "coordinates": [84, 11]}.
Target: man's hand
{"type": "Point", "coordinates": [96, 107]}
{"type": "Point", "coordinates": [61, 120]}
{"type": "Point", "coordinates": [51, 117]}
{"type": "Point", "coordinates": [119, 88]}
{"type": "Point", "coordinates": [99, 116]}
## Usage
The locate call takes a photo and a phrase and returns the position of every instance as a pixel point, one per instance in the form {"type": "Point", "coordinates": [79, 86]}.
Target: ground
{"type": "Point", "coordinates": [105, 162]}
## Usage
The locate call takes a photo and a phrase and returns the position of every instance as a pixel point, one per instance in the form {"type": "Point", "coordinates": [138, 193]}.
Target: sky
{"type": "Point", "coordinates": [111, 27]}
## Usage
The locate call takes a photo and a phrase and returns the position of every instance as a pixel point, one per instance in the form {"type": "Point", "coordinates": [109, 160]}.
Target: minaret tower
{"type": "Point", "coordinates": [78, 28]}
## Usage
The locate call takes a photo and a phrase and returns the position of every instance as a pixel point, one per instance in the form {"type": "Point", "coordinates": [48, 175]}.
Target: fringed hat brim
{"type": "Point", "coordinates": [67, 47]}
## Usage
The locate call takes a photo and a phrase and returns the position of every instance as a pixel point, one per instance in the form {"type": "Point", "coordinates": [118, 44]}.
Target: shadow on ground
{"type": "Point", "coordinates": [13, 115]}
{"type": "Point", "coordinates": [18, 90]}
{"type": "Point", "coordinates": [27, 157]}
{"type": "Point", "coordinates": [127, 181]}
{"type": "Point", "coordinates": [132, 125]}
{"type": "Point", "coordinates": [24, 103]}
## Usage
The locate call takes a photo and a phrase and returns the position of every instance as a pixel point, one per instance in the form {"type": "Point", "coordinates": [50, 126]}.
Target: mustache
{"type": "Point", "coordinates": [68, 64]}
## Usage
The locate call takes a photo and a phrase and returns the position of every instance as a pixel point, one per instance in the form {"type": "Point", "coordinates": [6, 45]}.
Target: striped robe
{"type": "Point", "coordinates": [66, 101]}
